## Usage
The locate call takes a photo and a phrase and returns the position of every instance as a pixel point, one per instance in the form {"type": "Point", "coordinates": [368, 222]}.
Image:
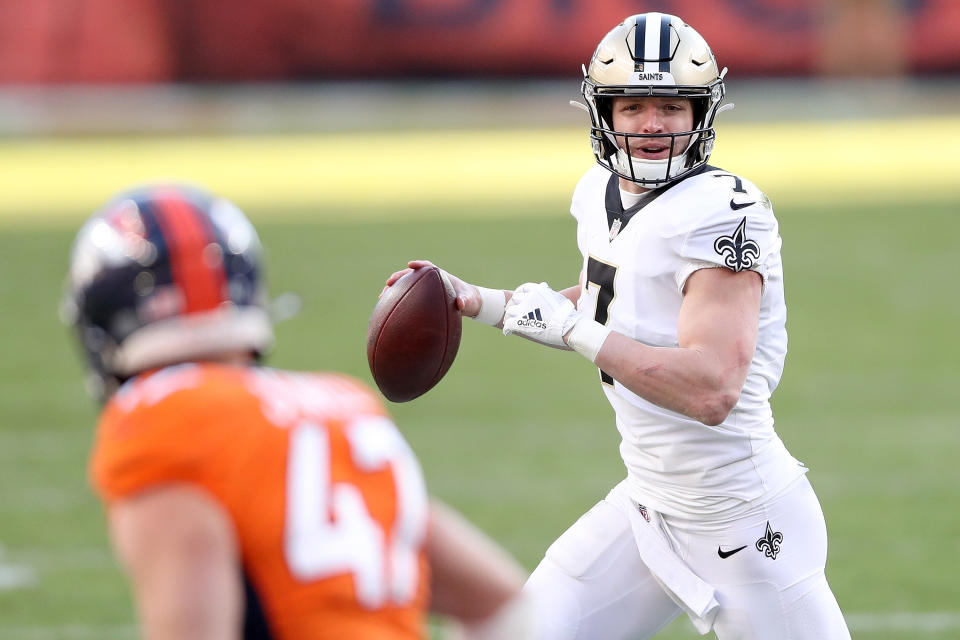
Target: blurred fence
{"type": "Point", "coordinates": [123, 41]}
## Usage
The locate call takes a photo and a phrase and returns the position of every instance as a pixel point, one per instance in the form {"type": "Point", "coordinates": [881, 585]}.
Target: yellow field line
{"type": "Point", "coordinates": [331, 175]}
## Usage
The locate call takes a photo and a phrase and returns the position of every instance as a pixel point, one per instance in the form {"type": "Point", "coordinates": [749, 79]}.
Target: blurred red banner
{"type": "Point", "coordinates": [116, 41]}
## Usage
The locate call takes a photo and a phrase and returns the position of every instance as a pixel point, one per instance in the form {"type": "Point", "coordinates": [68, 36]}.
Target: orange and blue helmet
{"type": "Point", "coordinates": [163, 274]}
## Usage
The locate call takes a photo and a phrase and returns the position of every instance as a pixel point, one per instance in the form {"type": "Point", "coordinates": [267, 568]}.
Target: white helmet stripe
{"type": "Point", "coordinates": [652, 38]}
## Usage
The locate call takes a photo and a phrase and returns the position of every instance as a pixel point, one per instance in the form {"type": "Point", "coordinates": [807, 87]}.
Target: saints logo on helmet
{"type": "Point", "coordinates": [164, 274]}
{"type": "Point", "coordinates": [653, 55]}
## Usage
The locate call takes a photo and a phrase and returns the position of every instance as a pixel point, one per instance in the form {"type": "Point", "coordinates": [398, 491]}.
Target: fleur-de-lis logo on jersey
{"type": "Point", "coordinates": [738, 252]}
{"type": "Point", "coordinates": [770, 543]}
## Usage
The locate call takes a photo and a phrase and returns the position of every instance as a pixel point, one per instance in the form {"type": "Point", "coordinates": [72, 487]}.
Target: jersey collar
{"type": "Point", "coordinates": [618, 217]}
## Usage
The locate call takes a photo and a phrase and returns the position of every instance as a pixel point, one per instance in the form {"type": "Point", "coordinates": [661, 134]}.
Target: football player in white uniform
{"type": "Point", "coordinates": [680, 305]}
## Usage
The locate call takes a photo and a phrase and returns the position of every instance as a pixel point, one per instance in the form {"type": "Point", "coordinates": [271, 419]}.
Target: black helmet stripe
{"type": "Point", "coordinates": [640, 39]}
{"type": "Point", "coordinates": [664, 43]}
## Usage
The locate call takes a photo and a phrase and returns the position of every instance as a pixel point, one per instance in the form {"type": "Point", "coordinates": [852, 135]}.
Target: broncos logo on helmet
{"type": "Point", "coordinates": [162, 274]}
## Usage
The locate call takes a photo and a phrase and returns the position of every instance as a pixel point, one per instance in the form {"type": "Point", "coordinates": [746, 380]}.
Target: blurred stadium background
{"type": "Point", "coordinates": [360, 133]}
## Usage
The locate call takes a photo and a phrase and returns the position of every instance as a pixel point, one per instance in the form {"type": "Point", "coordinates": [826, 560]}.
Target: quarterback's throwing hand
{"type": "Point", "coordinates": [538, 312]}
{"type": "Point", "coordinates": [468, 297]}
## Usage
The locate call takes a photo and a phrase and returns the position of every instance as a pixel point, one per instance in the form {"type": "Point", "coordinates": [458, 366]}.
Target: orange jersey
{"type": "Point", "coordinates": [326, 498]}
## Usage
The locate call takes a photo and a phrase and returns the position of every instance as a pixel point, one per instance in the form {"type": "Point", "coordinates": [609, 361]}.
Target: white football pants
{"type": "Point", "coordinates": [593, 584]}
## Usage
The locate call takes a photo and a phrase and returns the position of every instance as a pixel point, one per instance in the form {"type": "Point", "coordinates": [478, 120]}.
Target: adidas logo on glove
{"type": "Point", "coordinates": [532, 319]}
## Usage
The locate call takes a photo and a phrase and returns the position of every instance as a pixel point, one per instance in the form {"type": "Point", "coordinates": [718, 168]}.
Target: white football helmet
{"type": "Point", "coordinates": [658, 55]}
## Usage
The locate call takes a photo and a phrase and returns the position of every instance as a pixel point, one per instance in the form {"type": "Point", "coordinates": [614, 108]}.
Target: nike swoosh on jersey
{"type": "Point", "coordinates": [726, 554]}
{"type": "Point", "coordinates": [740, 205]}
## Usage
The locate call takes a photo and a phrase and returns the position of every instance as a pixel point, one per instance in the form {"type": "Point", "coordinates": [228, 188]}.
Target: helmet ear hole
{"type": "Point", "coordinates": [605, 112]}
{"type": "Point", "coordinates": [699, 106]}
{"type": "Point", "coordinates": [604, 107]}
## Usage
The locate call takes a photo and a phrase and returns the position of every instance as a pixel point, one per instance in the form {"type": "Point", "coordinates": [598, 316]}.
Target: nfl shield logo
{"type": "Point", "coordinates": [643, 512]}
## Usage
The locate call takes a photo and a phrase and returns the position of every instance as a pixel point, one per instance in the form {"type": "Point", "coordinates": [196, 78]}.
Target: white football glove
{"type": "Point", "coordinates": [538, 312]}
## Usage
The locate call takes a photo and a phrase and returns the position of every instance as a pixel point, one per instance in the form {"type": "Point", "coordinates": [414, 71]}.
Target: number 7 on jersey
{"type": "Point", "coordinates": [602, 275]}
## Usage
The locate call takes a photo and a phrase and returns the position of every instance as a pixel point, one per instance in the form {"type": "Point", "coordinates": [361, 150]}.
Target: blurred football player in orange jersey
{"type": "Point", "coordinates": [247, 502]}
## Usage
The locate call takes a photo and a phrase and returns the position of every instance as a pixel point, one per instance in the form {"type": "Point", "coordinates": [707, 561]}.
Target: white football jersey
{"type": "Point", "coordinates": [635, 264]}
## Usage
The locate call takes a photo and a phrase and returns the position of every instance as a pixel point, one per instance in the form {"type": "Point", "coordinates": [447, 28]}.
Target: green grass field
{"type": "Point", "coordinates": [519, 437]}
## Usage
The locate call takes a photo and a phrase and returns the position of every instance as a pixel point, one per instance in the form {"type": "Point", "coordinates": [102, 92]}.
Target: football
{"type": "Point", "coordinates": [414, 334]}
